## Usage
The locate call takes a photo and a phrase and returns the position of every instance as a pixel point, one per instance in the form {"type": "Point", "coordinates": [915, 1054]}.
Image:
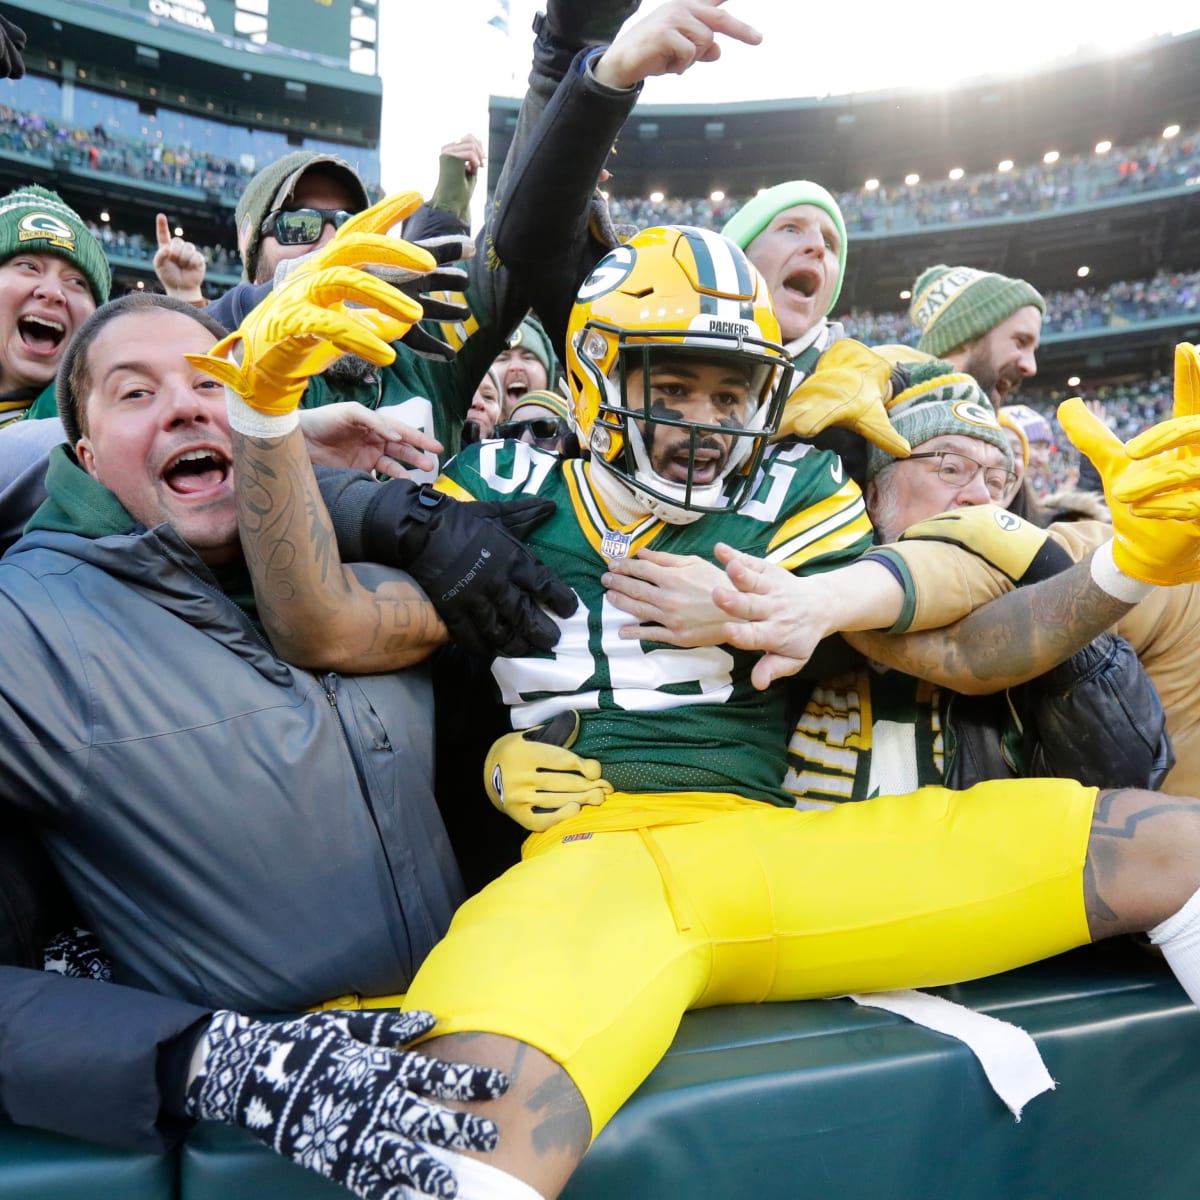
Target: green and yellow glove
{"type": "Point", "coordinates": [1016, 547]}
{"type": "Point", "coordinates": [850, 387]}
{"type": "Point", "coordinates": [533, 776]}
{"type": "Point", "coordinates": [1152, 483]}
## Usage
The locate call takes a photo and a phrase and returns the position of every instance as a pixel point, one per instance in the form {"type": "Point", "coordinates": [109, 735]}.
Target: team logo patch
{"type": "Point", "coordinates": [46, 227]}
{"type": "Point", "coordinates": [972, 413]}
{"type": "Point", "coordinates": [609, 273]}
{"type": "Point", "coordinates": [1006, 520]}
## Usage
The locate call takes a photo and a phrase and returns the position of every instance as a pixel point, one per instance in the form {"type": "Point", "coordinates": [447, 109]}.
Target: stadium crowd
{"type": "Point", "coordinates": [1073, 181]}
{"type": "Point", "coordinates": [233, 604]}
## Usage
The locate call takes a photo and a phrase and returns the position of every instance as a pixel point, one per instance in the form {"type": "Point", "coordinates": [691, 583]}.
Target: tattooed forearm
{"type": "Point", "coordinates": [1008, 640]}
{"type": "Point", "coordinates": [1121, 817]}
{"type": "Point", "coordinates": [317, 611]}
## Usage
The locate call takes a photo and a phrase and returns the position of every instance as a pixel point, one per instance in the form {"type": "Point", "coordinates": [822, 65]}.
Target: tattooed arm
{"type": "Point", "coordinates": [1007, 641]}
{"type": "Point", "coordinates": [317, 611]}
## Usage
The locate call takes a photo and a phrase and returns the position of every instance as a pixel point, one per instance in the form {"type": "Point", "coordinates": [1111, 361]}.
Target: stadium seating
{"type": "Point", "coordinates": [812, 1101]}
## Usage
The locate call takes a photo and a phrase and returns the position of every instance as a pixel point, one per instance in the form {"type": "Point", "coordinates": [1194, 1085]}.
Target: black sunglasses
{"type": "Point", "coordinates": [302, 226]}
{"type": "Point", "coordinates": [542, 429]}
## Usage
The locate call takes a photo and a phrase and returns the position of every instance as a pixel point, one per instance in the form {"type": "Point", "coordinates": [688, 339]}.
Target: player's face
{"type": "Point", "coordinates": [315, 190]}
{"type": "Point", "coordinates": [43, 300]}
{"type": "Point", "coordinates": [700, 392]}
{"type": "Point", "coordinates": [797, 254]}
{"type": "Point", "coordinates": [912, 490]}
{"type": "Point", "coordinates": [1005, 355]}
{"type": "Point", "coordinates": [157, 435]}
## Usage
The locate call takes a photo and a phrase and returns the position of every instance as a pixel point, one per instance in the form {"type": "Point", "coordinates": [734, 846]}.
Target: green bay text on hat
{"type": "Point", "coordinates": [274, 186]}
{"type": "Point", "coordinates": [939, 401]}
{"type": "Point", "coordinates": [755, 215]}
{"type": "Point", "coordinates": [954, 305]}
{"type": "Point", "coordinates": [38, 221]}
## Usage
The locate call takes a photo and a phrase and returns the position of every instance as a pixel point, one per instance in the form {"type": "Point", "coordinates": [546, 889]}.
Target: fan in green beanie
{"type": "Point", "coordinates": [955, 305]}
{"type": "Point", "coordinates": [755, 215]}
{"type": "Point", "coordinates": [274, 187]}
{"type": "Point", "coordinates": [937, 401]}
{"type": "Point", "coordinates": [39, 221]}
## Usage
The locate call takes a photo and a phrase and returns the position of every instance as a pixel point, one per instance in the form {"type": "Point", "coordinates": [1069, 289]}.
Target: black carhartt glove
{"type": "Point", "coordinates": [418, 286]}
{"type": "Point", "coordinates": [489, 589]}
{"type": "Point", "coordinates": [334, 1092]}
{"type": "Point", "coordinates": [12, 44]}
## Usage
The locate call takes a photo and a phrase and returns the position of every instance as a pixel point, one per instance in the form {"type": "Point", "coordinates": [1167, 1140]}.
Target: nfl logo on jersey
{"type": "Point", "coordinates": [615, 544]}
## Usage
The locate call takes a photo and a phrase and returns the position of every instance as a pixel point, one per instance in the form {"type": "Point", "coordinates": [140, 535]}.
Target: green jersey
{"type": "Point", "coordinates": [660, 718]}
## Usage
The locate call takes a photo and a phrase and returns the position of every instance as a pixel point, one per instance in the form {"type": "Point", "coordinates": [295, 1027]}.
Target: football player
{"type": "Point", "coordinates": [694, 882]}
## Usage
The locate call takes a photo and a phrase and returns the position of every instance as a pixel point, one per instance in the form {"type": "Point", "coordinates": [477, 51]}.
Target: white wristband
{"type": "Point", "coordinates": [1107, 576]}
{"type": "Point", "coordinates": [249, 422]}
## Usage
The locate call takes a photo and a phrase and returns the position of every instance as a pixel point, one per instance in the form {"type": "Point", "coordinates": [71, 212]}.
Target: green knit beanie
{"type": "Point", "coordinates": [37, 220]}
{"type": "Point", "coordinates": [939, 400]}
{"type": "Point", "coordinates": [273, 187]}
{"type": "Point", "coordinates": [559, 405]}
{"type": "Point", "coordinates": [953, 305]}
{"type": "Point", "coordinates": [530, 335]}
{"type": "Point", "coordinates": [755, 215]}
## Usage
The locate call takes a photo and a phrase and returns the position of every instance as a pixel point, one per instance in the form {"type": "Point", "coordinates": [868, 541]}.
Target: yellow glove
{"type": "Point", "coordinates": [849, 386]}
{"type": "Point", "coordinates": [1152, 484]}
{"type": "Point", "coordinates": [305, 324]}
{"type": "Point", "coordinates": [1011, 545]}
{"type": "Point", "coordinates": [533, 776]}
{"type": "Point", "coordinates": [363, 242]}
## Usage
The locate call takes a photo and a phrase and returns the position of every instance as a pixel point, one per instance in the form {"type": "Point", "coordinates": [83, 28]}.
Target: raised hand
{"type": "Point", "coordinates": [669, 40]}
{"type": "Point", "coordinates": [1151, 483]}
{"type": "Point", "coordinates": [180, 267]}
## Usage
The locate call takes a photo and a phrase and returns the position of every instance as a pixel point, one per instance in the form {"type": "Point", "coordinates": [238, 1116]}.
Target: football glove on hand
{"type": "Point", "coordinates": [849, 386]}
{"type": "Point", "coordinates": [1013, 546]}
{"type": "Point", "coordinates": [534, 777]}
{"type": "Point", "coordinates": [307, 322]}
{"type": "Point", "coordinates": [334, 1092]}
{"type": "Point", "coordinates": [419, 286]}
{"type": "Point", "coordinates": [1152, 483]}
{"type": "Point", "coordinates": [489, 589]}
{"type": "Point", "coordinates": [393, 260]}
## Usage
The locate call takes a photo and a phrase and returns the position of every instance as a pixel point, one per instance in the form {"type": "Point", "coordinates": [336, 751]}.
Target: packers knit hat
{"type": "Point", "coordinates": [755, 215]}
{"type": "Point", "coordinates": [530, 335]}
{"type": "Point", "coordinates": [939, 400]}
{"type": "Point", "coordinates": [953, 305]}
{"type": "Point", "coordinates": [556, 403]}
{"type": "Point", "coordinates": [274, 186]}
{"type": "Point", "coordinates": [39, 221]}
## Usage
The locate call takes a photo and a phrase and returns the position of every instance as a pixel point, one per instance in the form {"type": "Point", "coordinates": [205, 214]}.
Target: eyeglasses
{"type": "Point", "coordinates": [957, 470]}
{"type": "Point", "coordinates": [302, 226]}
{"type": "Point", "coordinates": [542, 429]}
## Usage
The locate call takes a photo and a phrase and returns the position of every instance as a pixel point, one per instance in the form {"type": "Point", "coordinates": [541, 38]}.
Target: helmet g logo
{"type": "Point", "coordinates": [44, 226]}
{"type": "Point", "coordinates": [609, 273]}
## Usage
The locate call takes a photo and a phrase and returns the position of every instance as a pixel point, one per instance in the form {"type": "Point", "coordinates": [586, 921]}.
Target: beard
{"type": "Point", "coordinates": [349, 370]}
{"type": "Point", "coordinates": [998, 382]}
